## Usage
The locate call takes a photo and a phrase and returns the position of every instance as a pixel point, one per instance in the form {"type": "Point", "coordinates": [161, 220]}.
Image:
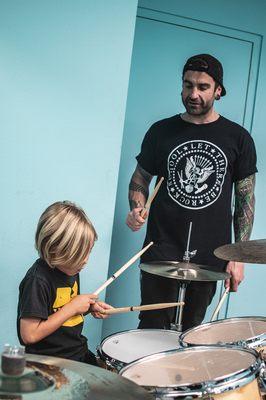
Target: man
{"type": "Point", "coordinates": [201, 155]}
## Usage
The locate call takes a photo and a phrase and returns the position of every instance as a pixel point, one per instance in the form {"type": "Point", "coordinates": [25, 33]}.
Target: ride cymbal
{"type": "Point", "coordinates": [183, 271]}
{"type": "Point", "coordinates": [251, 251]}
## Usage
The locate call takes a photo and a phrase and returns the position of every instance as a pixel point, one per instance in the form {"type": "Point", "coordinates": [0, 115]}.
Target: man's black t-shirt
{"type": "Point", "coordinates": [200, 163]}
{"type": "Point", "coordinates": [42, 292]}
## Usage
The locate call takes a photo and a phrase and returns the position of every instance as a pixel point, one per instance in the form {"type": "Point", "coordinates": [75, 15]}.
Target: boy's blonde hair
{"type": "Point", "coordinates": [64, 235]}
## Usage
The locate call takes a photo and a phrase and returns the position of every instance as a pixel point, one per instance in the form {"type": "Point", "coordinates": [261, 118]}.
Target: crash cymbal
{"type": "Point", "coordinates": [56, 378]}
{"type": "Point", "coordinates": [251, 251]}
{"type": "Point", "coordinates": [183, 271]}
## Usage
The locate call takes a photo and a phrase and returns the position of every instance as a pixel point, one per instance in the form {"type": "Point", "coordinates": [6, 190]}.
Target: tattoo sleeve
{"type": "Point", "coordinates": [139, 187]}
{"type": "Point", "coordinates": [244, 208]}
{"type": "Point", "coordinates": [135, 187]}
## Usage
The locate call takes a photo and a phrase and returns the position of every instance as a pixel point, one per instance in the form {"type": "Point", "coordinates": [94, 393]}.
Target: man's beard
{"type": "Point", "coordinates": [197, 107]}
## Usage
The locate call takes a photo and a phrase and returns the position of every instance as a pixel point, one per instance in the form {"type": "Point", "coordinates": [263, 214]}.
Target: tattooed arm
{"type": "Point", "coordinates": [243, 223]}
{"type": "Point", "coordinates": [244, 208]}
{"type": "Point", "coordinates": [137, 196]}
{"type": "Point", "coordinates": [139, 187]}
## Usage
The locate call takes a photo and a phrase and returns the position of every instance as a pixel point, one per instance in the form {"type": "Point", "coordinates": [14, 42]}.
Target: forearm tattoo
{"type": "Point", "coordinates": [135, 187]}
{"type": "Point", "coordinates": [244, 208]}
{"type": "Point", "coordinates": [145, 175]}
{"type": "Point", "coordinates": [139, 188]}
{"type": "Point", "coordinates": [135, 204]}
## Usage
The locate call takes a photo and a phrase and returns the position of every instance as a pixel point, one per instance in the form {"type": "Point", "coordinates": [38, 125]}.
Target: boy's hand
{"type": "Point", "coordinates": [82, 303]}
{"type": "Point", "coordinates": [98, 308]}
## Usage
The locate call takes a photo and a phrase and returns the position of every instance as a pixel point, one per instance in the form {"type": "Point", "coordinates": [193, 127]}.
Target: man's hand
{"type": "Point", "coordinates": [98, 308]}
{"type": "Point", "coordinates": [236, 270]}
{"type": "Point", "coordinates": [135, 220]}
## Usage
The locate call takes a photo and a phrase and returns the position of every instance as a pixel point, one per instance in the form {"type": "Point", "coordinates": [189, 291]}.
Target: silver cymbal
{"type": "Point", "coordinates": [251, 251]}
{"type": "Point", "coordinates": [183, 271]}
{"type": "Point", "coordinates": [69, 380]}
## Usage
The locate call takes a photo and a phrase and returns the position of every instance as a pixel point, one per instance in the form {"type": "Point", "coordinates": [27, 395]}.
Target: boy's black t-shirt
{"type": "Point", "coordinates": [42, 292]}
{"type": "Point", "coordinates": [200, 163]}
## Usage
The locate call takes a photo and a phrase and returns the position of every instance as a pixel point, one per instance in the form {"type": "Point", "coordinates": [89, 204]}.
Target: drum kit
{"type": "Point", "coordinates": [220, 360]}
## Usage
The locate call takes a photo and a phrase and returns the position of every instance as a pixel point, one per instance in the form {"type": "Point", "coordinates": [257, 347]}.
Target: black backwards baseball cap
{"type": "Point", "coordinates": [209, 64]}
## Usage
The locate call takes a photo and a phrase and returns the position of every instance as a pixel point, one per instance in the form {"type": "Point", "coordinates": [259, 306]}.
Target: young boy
{"type": "Point", "coordinates": [50, 308]}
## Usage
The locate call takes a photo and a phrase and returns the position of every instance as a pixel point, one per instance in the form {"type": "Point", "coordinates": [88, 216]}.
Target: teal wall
{"type": "Point", "coordinates": [245, 23]}
{"type": "Point", "coordinates": [64, 69]}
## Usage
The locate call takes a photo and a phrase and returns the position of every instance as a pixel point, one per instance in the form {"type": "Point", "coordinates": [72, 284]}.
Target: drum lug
{"type": "Point", "coordinates": [208, 389]}
{"type": "Point", "coordinates": [242, 343]}
{"type": "Point", "coordinates": [109, 363]}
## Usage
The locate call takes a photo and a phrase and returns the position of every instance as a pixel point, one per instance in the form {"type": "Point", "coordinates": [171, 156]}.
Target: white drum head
{"type": "Point", "coordinates": [186, 367]}
{"type": "Point", "coordinates": [132, 345]}
{"type": "Point", "coordinates": [232, 330]}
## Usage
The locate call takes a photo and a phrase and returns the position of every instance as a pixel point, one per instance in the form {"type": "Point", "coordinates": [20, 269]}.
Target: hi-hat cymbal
{"type": "Point", "coordinates": [68, 380]}
{"type": "Point", "coordinates": [183, 271]}
{"type": "Point", "coordinates": [251, 251]}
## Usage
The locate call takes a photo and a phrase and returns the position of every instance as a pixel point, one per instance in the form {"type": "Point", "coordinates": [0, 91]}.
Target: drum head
{"type": "Point", "coordinates": [226, 331]}
{"type": "Point", "coordinates": [131, 345]}
{"type": "Point", "coordinates": [191, 366]}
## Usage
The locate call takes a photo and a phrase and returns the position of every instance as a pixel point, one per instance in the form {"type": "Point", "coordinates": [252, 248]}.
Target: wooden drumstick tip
{"type": "Point", "coordinates": [146, 208]}
{"type": "Point", "coordinates": [217, 309]}
{"type": "Point", "coordinates": [122, 269]}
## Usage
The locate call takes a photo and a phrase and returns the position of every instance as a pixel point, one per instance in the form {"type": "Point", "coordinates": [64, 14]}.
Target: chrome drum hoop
{"type": "Point", "coordinates": [111, 363]}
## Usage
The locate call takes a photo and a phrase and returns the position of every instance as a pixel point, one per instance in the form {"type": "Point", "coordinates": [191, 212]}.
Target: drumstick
{"type": "Point", "coordinates": [147, 307]}
{"type": "Point", "coordinates": [150, 199]}
{"type": "Point", "coordinates": [217, 309]}
{"type": "Point", "coordinates": [122, 269]}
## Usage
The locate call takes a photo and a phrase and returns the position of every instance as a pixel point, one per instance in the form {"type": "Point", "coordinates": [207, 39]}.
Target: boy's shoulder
{"type": "Point", "coordinates": [39, 270]}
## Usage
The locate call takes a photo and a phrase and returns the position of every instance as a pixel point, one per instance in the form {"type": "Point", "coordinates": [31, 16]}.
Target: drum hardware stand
{"type": "Point", "coordinates": [177, 326]}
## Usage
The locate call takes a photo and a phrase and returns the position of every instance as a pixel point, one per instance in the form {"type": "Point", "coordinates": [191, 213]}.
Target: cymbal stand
{"type": "Point", "coordinates": [177, 326]}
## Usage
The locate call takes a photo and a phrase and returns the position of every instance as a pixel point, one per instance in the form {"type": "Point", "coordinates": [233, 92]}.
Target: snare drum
{"type": "Point", "coordinates": [120, 349]}
{"type": "Point", "coordinates": [207, 372]}
{"type": "Point", "coordinates": [243, 331]}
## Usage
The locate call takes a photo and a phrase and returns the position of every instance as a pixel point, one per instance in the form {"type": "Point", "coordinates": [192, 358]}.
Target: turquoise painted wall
{"type": "Point", "coordinates": [64, 69]}
{"type": "Point", "coordinates": [249, 18]}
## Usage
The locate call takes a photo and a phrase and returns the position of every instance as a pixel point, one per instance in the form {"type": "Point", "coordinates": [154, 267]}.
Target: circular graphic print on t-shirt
{"type": "Point", "coordinates": [196, 171]}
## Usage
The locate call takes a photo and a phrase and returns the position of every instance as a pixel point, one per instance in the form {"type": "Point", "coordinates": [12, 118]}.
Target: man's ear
{"type": "Point", "coordinates": [218, 92]}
